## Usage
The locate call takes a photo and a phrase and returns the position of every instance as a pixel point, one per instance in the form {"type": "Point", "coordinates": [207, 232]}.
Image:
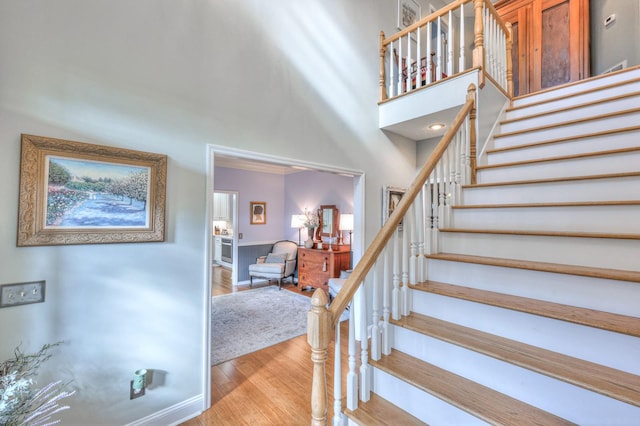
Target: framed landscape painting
{"type": "Point", "coordinates": [80, 193]}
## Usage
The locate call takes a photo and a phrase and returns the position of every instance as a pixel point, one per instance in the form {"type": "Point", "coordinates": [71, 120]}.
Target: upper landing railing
{"type": "Point", "coordinates": [437, 47]}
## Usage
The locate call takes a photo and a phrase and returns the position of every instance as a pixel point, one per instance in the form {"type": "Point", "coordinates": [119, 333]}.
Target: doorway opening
{"type": "Point", "coordinates": [225, 157]}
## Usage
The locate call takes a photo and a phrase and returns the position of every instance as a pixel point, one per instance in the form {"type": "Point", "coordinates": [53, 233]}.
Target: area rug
{"type": "Point", "coordinates": [250, 320]}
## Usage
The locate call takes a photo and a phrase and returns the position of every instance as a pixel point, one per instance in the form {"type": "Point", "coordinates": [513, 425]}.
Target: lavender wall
{"type": "Point", "coordinates": [255, 186]}
{"type": "Point", "coordinates": [310, 190]}
{"type": "Point", "coordinates": [285, 196]}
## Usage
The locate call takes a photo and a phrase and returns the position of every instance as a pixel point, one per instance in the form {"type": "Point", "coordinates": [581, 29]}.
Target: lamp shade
{"type": "Point", "coordinates": [297, 220]}
{"type": "Point", "coordinates": [346, 222]}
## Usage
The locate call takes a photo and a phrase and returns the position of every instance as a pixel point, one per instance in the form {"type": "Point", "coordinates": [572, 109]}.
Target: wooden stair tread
{"type": "Point", "coordinates": [552, 180]}
{"type": "Point", "coordinates": [543, 233]}
{"type": "Point", "coordinates": [564, 139]}
{"type": "Point", "coordinates": [623, 324]}
{"type": "Point", "coordinates": [560, 158]}
{"type": "Point", "coordinates": [476, 399]}
{"type": "Point", "coordinates": [592, 102]}
{"type": "Point", "coordinates": [594, 377]}
{"type": "Point", "coordinates": [577, 93]}
{"type": "Point", "coordinates": [552, 204]}
{"type": "Point", "coordinates": [557, 268]}
{"type": "Point", "coordinates": [380, 412]}
{"type": "Point", "coordinates": [588, 118]}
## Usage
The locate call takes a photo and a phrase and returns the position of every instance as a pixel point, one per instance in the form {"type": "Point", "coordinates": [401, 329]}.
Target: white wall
{"type": "Point", "coordinates": [296, 79]}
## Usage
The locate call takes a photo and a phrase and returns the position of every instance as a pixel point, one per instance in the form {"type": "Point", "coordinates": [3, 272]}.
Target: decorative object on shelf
{"type": "Point", "coordinates": [311, 223]}
{"type": "Point", "coordinates": [258, 213]}
{"type": "Point", "coordinates": [346, 224]}
{"type": "Point", "coordinates": [391, 197]}
{"type": "Point", "coordinates": [80, 193]}
{"type": "Point", "coordinates": [297, 221]}
{"type": "Point", "coordinates": [19, 402]}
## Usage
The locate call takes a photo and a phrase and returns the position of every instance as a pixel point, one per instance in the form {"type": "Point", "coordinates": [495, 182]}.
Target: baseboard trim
{"type": "Point", "coordinates": [174, 415]}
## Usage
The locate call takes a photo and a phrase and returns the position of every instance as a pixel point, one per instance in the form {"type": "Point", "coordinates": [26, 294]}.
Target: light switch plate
{"type": "Point", "coordinates": [22, 293]}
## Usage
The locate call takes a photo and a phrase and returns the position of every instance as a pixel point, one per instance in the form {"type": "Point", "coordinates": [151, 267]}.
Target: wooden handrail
{"type": "Point", "coordinates": [377, 245]}
{"type": "Point", "coordinates": [322, 320]}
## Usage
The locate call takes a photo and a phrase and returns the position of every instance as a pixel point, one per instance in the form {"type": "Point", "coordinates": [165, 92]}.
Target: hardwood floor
{"type": "Point", "coordinates": [268, 387]}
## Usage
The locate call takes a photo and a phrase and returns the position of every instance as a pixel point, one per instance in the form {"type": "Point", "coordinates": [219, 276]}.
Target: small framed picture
{"type": "Point", "coordinates": [391, 197]}
{"type": "Point", "coordinates": [408, 13]}
{"type": "Point", "coordinates": [258, 213]}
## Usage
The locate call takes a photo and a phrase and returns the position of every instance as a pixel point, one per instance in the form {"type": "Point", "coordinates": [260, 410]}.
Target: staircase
{"type": "Point", "coordinates": [531, 314]}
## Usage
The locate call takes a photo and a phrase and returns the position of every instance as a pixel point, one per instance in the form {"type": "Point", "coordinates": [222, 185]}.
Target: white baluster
{"type": "Point", "coordinates": [365, 368]}
{"type": "Point", "coordinates": [392, 70]}
{"type": "Point", "coordinates": [406, 247]}
{"type": "Point", "coordinates": [439, 52]}
{"type": "Point", "coordinates": [413, 247]}
{"type": "Point", "coordinates": [420, 231]}
{"type": "Point", "coordinates": [386, 300]}
{"type": "Point", "coordinates": [400, 69]}
{"type": "Point", "coordinates": [409, 62]}
{"type": "Point", "coordinates": [450, 46]}
{"type": "Point", "coordinates": [462, 63]}
{"type": "Point", "coordinates": [429, 215]}
{"type": "Point", "coordinates": [418, 59]}
{"type": "Point", "coordinates": [352, 375]}
{"type": "Point", "coordinates": [428, 56]}
{"type": "Point", "coordinates": [338, 419]}
{"type": "Point", "coordinates": [375, 316]}
{"type": "Point", "coordinates": [395, 295]}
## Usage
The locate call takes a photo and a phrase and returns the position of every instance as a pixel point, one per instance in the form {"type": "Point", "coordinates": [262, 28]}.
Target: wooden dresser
{"type": "Point", "coordinates": [315, 267]}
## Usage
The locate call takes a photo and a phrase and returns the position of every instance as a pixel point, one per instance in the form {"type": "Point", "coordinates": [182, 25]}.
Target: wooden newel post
{"type": "Point", "coordinates": [383, 50]}
{"type": "Point", "coordinates": [509, 59]}
{"type": "Point", "coordinates": [318, 336]}
{"type": "Point", "coordinates": [478, 41]}
{"type": "Point", "coordinates": [471, 95]}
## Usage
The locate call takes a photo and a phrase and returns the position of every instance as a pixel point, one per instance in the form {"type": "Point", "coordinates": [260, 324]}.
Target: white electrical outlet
{"type": "Point", "coordinates": [21, 293]}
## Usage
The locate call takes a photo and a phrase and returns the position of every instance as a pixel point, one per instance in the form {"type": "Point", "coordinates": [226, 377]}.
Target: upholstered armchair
{"type": "Point", "coordinates": [277, 265]}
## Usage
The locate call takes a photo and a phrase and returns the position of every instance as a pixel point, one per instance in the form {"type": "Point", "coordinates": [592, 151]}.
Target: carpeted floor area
{"type": "Point", "coordinates": [247, 321]}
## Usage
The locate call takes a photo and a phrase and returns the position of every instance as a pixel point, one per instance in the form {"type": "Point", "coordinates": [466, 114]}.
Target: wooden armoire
{"type": "Point", "coordinates": [550, 42]}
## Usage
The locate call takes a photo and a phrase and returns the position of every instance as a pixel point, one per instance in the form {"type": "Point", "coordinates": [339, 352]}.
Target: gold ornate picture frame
{"type": "Point", "coordinates": [80, 193]}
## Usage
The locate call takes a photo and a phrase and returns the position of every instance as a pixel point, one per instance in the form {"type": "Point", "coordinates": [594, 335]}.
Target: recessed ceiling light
{"type": "Point", "coordinates": [436, 126]}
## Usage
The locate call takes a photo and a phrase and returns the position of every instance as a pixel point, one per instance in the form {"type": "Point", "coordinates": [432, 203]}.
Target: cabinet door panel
{"type": "Point", "coordinates": [556, 61]}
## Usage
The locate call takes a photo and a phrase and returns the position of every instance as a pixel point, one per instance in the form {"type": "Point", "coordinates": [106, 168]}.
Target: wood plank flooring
{"type": "Point", "coordinates": [268, 387]}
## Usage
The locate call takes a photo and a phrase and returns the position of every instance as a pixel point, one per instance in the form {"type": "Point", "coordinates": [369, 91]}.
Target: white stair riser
{"type": "Point", "coordinates": [538, 331]}
{"type": "Point", "coordinates": [570, 114]}
{"type": "Point", "coordinates": [608, 219]}
{"type": "Point", "coordinates": [571, 147]}
{"type": "Point", "coordinates": [627, 188]}
{"type": "Point", "coordinates": [418, 403]}
{"type": "Point", "coordinates": [568, 101]}
{"type": "Point", "coordinates": [614, 296]}
{"type": "Point", "coordinates": [567, 401]}
{"type": "Point", "coordinates": [581, 128]}
{"type": "Point", "coordinates": [570, 90]}
{"type": "Point", "coordinates": [625, 162]}
{"type": "Point", "coordinates": [592, 252]}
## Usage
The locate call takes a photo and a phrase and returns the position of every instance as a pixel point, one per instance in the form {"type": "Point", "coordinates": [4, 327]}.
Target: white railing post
{"type": "Point", "coordinates": [365, 368]}
{"type": "Point", "coordinates": [428, 57]}
{"type": "Point", "coordinates": [395, 296]}
{"type": "Point", "coordinates": [406, 249]}
{"type": "Point", "coordinates": [352, 375]}
{"type": "Point", "coordinates": [421, 235]}
{"type": "Point", "coordinates": [462, 63]}
{"type": "Point", "coordinates": [386, 301]}
{"type": "Point", "coordinates": [450, 70]}
{"type": "Point", "coordinates": [338, 418]}
{"type": "Point", "coordinates": [375, 316]}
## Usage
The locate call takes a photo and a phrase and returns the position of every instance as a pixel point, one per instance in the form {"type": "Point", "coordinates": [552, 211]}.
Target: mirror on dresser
{"type": "Point", "coordinates": [329, 222]}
